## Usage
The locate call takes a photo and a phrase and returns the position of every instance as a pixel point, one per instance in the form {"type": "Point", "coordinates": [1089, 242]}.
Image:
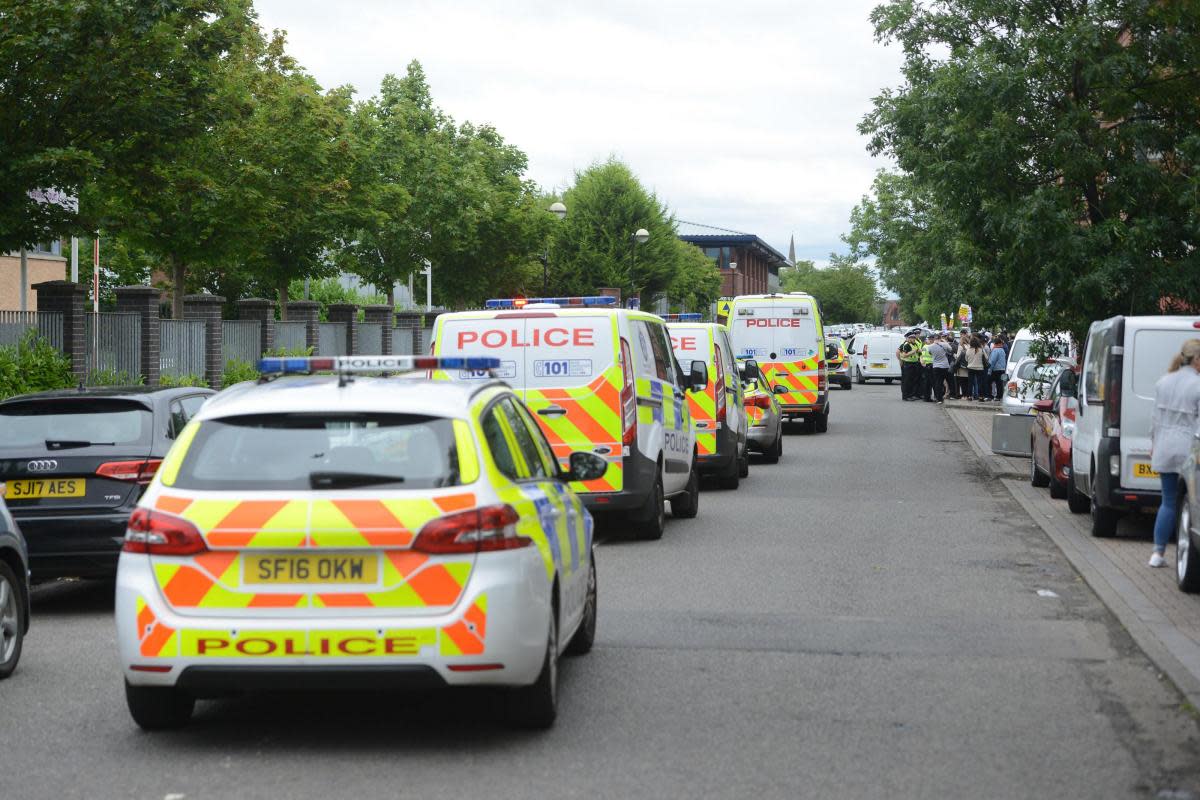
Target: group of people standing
{"type": "Point", "coordinates": [970, 367]}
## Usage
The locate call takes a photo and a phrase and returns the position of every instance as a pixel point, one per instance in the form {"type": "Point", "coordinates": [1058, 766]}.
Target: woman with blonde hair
{"type": "Point", "coordinates": [1172, 428]}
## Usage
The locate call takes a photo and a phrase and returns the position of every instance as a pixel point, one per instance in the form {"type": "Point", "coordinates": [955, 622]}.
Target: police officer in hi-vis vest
{"type": "Point", "coordinates": [909, 354]}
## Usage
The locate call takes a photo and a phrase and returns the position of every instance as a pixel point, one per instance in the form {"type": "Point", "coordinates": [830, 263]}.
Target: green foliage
{"type": "Point", "coordinates": [284, 352]}
{"type": "Point", "coordinates": [238, 372]}
{"type": "Point", "coordinates": [33, 365]}
{"type": "Point", "coordinates": [1048, 155]}
{"type": "Point", "coordinates": [113, 377]}
{"type": "Point", "coordinates": [327, 291]}
{"type": "Point", "coordinates": [95, 87]}
{"type": "Point", "coordinates": [697, 283]}
{"type": "Point", "coordinates": [176, 381]}
{"type": "Point", "coordinates": [846, 289]}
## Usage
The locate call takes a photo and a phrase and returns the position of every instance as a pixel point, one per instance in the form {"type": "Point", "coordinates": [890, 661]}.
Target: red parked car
{"type": "Point", "coordinates": [1053, 429]}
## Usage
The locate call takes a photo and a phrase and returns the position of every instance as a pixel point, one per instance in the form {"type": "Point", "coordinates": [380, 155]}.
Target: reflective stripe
{"type": "Point", "coordinates": [168, 471]}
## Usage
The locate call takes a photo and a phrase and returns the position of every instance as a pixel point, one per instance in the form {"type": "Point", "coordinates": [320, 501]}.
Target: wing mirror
{"type": "Point", "coordinates": [699, 376]}
{"type": "Point", "coordinates": [1044, 406]}
{"type": "Point", "coordinates": [585, 466]}
{"type": "Point", "coordinates": [779, 389]}
{"type": "Point", "coordinates": [750, 370]}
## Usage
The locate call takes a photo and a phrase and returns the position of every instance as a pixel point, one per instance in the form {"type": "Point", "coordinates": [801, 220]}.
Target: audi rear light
{"type": "Point", "coordinates": [160, 534]}
{"type": "Point", "coordinates": [722, 410]}
{"type": "Point", "coordinates": [480, 530]}
{"type": "Point", "coordinates": [133, 471]}
{"type": "Point", "coordinates": [628, 398]}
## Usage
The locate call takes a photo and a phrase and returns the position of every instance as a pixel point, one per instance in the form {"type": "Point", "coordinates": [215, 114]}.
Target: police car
{"type": "Point", "coordinates": [599, 379]}
{"type": "Point", "coordinates": [347, 530]}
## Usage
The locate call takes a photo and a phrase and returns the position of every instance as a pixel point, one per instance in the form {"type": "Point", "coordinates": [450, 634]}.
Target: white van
{"type": "Point", "coordinates": [873, 356]}
{"type": "Point", "coordinates": [1023, 341]}
{"type": "Point", "coordinates": [784, 334]}
{"type": "Point", "coordinates": [599, 379]}
{"type": "Point", "coordinates": [1110, 453]}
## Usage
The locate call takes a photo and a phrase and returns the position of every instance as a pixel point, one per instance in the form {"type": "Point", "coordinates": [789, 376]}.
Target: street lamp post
{"type": "Point", "coordinates": [560, 211]}
{"type": "Point", "coordinates": [640, 236]}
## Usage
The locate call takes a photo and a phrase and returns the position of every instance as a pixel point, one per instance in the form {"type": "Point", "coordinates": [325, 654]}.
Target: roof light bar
{"type": "Point", "coordinates": [521, 302]}
{"type": "Point", "coordinates": [692, 317]}
{"type": "Point", "coordinates": [352, 364]}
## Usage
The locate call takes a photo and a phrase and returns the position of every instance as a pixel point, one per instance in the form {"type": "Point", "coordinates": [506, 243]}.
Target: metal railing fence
{"type": "Point", "coordinates": [14, 325]}
{"type": "Point", "coordinates": [291, 335]}
{"type": "Point", "coordinates": [370, 338]}
{"type": "Point", "coordinates": [182, 348]}
{"type": "Point", "coordinates": [331, 339]}
{"type": "Point", "coordinates": [113, 343]}
{"type": "Point", "coordinates": [241, 340]}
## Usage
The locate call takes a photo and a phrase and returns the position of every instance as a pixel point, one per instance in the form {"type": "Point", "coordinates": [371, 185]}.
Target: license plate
{"type": "Point", "coordinates": [45, 488]}
{"type": "Point", "coordinates": [311, 568]}
{"type": "Point", "coordinates": [1142, 470]}
{"type": "Point", "coordinates": [878, 366]}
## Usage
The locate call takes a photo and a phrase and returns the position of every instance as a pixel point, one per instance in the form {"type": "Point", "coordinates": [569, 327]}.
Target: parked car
{"type": "Point", "coordinates": [837, 369]}
{"type": "Point", "coordinates": [873, 356]}
{"type": "Point", "coordinates": [1023, 342]}
{"type": "Point", "coordinates": [763, 412]}
{"type": "Point", "coordinates": [1110, 454]}
{"type": "Point", "coordinates": [14, 590]}
{"type": "Point", "coordinates": [1030, 381]}
{"type": "Point", "coordinates": [1050, 440]}
{"type": "Point", "coordinates": [75, 463]}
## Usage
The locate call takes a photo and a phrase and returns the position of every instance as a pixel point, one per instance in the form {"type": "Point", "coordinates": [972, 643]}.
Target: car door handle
{"type": "Point", "coordinates": [552, 411]}
{"type": "Point", "coordinates": [650, 401]}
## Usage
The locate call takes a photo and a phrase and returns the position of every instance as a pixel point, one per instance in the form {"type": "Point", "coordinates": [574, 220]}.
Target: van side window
{"type": "Point", "coordinates": [1094, 365]}
{"type": "Point", "coordinates": [664, 356]}
{"type": "Point", "coordinates": [642, 348]}
{"type": "Point", "coordinates": [501, 445]}
{"type": "Point", "coordinates": [532, 441]}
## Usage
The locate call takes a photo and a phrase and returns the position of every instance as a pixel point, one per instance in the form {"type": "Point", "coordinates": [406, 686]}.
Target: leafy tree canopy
{"type": "Point", "coordinates": [846, 289]}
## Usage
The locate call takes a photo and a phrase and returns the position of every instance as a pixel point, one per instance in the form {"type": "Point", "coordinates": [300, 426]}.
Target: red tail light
{"type": "Point", "coordinates": [628, 398]}
{"type": "Point", "coordinates": [821, 379]}
{"type": "Point", "coordinates": [864, 352]}
{"type": "Point", "coordinates": [162, 534]}
{"type": "Point", "coordinates": [722, 411]}
{"type": "Point", "coordinates": [762, 401]}
{"type": "Point", "coordinates": [479, 530]}
{"type": "Point", "coordinates": [134, 471]}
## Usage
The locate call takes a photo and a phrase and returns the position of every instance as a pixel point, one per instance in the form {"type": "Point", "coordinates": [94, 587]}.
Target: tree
{"type": "Point", "coordinates": [91, 87]}
{"type": "Point", "coordinates": [1050, 150]}
{"type": "Point", "coordinates": [846, 289]}
{"type": "Point", "coordinates": [697, 283]}
{"type": "Point", "coordinates": [593, 247]}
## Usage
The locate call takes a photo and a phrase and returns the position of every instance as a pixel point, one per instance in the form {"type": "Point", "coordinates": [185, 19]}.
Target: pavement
{"type": "Point", "coordinates": [1164, 621]}
{"type": "Point", "coordinates": [872, 617]}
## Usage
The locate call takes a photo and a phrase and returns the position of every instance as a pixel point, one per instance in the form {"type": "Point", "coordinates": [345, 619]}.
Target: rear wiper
{"type": "Point", "coordinates": [333, 480]}
{"type": "Point", "coordinates": [59, 444]}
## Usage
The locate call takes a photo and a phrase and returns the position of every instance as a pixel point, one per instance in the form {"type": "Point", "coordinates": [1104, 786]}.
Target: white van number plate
{"type": "Point", "coordinates": [563, 368]}
{"type": "Point", "coordinates": [795, 352]}
{"type": "Point", "coordinates": [507, 369]}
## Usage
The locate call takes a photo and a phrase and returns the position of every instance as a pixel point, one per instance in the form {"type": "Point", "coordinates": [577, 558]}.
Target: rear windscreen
{"type": "Point", "coordinates": [535, 351]}
{"type": "Point", "coordinates": [36, 425]}
{"type": "Point", "coordinates": [283, 451]}
{"type": "Point", "coordinates": [1152, 354]}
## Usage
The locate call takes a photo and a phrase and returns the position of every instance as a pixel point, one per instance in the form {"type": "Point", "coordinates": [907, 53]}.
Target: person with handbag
{"type": "Point", "coordinates": [1172, 427]}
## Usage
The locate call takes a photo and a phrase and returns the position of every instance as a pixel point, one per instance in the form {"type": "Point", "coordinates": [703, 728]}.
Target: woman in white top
{"type": "Point", "coordinates": [1176, 416]}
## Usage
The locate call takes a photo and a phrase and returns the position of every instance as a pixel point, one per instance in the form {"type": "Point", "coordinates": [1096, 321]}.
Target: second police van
{"type": "Point", "coordinates": [784, 334]}
{"type": "Point", "coordinates": [716, 411]}
{"type": "Point", "coordinates": [597, 378]}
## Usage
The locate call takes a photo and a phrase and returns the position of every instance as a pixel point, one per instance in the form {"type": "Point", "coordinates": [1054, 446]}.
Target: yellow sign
{"type": "Point", "coordinates": [723, 309]}
{"type": "Point", "coordinates": [55, 487]}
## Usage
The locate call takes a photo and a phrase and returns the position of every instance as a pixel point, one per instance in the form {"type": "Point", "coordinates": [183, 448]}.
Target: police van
{"type": "Point", "coordinates": [717, 411]}
{"type": "Point", "coordinates": [597, 378]}
{"type": "Point", "coordinates": [784, 334]}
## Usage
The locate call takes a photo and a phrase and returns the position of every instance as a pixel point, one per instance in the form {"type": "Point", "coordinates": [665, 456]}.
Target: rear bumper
{"type": "Point", "coordinates": [216, 681]}
{"type": "Point", "coordinates": [1109, 491]}
{"type": "Point", "coordinates": [759, 438]}
{"type": "Point", "coordinates": [84, 545]}
{"type": "Point", "coordinates": [820, 407]}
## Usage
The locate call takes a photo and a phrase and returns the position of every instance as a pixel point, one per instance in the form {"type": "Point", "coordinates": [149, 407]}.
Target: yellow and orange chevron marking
{"type": "Point", "coordinates": [156, 639]}
{"type": "Point", "coordinates": [467, 636]}
{"type": "Point", "coordinates": [800, 378]}
{"type": "Point", "coordinates": [593, 419]}
{"type": "Point", "coordinates": [703, 408]}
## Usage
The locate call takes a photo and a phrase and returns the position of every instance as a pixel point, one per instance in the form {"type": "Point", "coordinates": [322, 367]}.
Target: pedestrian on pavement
{"type": "Point", "coordinates": [909, 354]}
{"type": "Point", "coordinates": [962, 378]}
{"type": "Point", "coordinates": [1172, 428]}
{"type": "Point", "coordinates": [926, 390]}
{"type": "Point", "coordinates": [939, 357]}
{"type": "Point", "coordinates": [976, 367]}
{"type": "Point", "coordinates": [997, 362]}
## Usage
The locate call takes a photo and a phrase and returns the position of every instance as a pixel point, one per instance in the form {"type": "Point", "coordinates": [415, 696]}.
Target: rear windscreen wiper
{"type": "Point", "coordinates": [59, 444]}
{"type": "Point", "coordinates": [332, 480]}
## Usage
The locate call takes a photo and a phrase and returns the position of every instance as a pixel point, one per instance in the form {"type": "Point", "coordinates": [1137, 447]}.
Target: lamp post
{"type": "Point", "coordinates": [640, 236]}
{"type": "Point", "coordinates": [560, 211]}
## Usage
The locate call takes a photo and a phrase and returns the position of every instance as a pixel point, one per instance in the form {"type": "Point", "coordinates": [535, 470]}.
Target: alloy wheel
{"type": "Point", "coordinates": [1183, 545]}
{"type": "Point", "coordinates": [10, 620]}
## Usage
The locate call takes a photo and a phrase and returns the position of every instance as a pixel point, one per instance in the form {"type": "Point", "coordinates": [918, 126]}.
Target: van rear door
{"type": "Point", "coordinates": [1152, 351]}
{"type": "Point", "coordinates": [782, 337]}
{"type": "Point", "coordinates": [694, 343]}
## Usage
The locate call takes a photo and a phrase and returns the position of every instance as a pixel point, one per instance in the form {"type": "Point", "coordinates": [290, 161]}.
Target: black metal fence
{"type": "Point", "coordinates": [15, 325]}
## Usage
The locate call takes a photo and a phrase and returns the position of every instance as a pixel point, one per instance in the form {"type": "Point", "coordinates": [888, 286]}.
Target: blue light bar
{"type": "Point", "coordinates": [695, 317]}
{"type": "Point", "coordinates": [521, 302]}
{"type": "Point", "coordinates": [353, 364]}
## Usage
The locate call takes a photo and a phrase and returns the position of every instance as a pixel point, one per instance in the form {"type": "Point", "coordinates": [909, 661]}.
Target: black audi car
{"type": "Point", "coordinates": [75, 462]}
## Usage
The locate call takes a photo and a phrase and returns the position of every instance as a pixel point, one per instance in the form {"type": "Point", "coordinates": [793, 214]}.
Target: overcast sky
{"type": "Point", "coordinates": [738, 115]}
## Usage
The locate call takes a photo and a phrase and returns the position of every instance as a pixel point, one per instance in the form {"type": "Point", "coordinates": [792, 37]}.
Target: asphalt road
{"type": "Point", "coordinates": [861, 620]}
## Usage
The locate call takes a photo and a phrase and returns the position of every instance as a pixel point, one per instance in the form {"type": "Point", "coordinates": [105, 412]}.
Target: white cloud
{"type": "Point", "coordinates": [737, 115]}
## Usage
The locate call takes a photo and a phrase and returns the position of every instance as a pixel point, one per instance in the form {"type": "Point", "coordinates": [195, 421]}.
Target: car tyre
{"type": "Point", "coordinates": [1058, 487]}
{"type": "Point", "coordinates": [744, 464]}
{"type": "Point", "coordinates": [159, 708]}
{"type": "Point", "coordinates": [1077, 501]}
{"type": "Point", "coordinates": [858, 376]}
{"type": "Point", "coordinates": [821, 422]}
{"type": "Point", "coordinates": [1104, 520]}
{"type": "Point", "coordinates": [687, 505]}
{"type": "Point", "coordinates": [773, 455]}
{"type": "Point", "coordinates": [731, 477]}
{"type": "Point", "coordinates": [888, 381]}
{"type": "Point", "coordinates": [12, 620]}
{"type": "Point", "coordinates": [1036, 477]}
{"type": "Point", "coordinates": [652, 520]}
{"type": "Point", "coordinates": [585, 636]}
{"type": "Point", "coordinates": [535, 707]}
{"type": "Point", "coordinates": [847, 386]}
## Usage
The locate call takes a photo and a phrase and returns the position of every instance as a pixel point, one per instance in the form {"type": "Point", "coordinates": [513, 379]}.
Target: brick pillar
{"type": "Point", "coordinates": [263, 311]}
{"type": "Point", "coordinates": [347, 313]}
{"type": "Point", "coordinates": [208, 308]}
{"type": "Point", "coordinates": [382, 315]}
{"type": "Point", "coordinates": [143, 301]}
{"type": "Point", "coordinates": [411, 320]}
{"type": "Point", "coordinates": [67, 298]}
{"type": "Point", "coordinates": [308, 311]}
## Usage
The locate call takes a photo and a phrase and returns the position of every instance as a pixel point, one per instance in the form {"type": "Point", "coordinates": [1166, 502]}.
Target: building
{"type": "Point", "coordinates": [43, 262]}
{"type": "Point", "coordinates": [748, 264]}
